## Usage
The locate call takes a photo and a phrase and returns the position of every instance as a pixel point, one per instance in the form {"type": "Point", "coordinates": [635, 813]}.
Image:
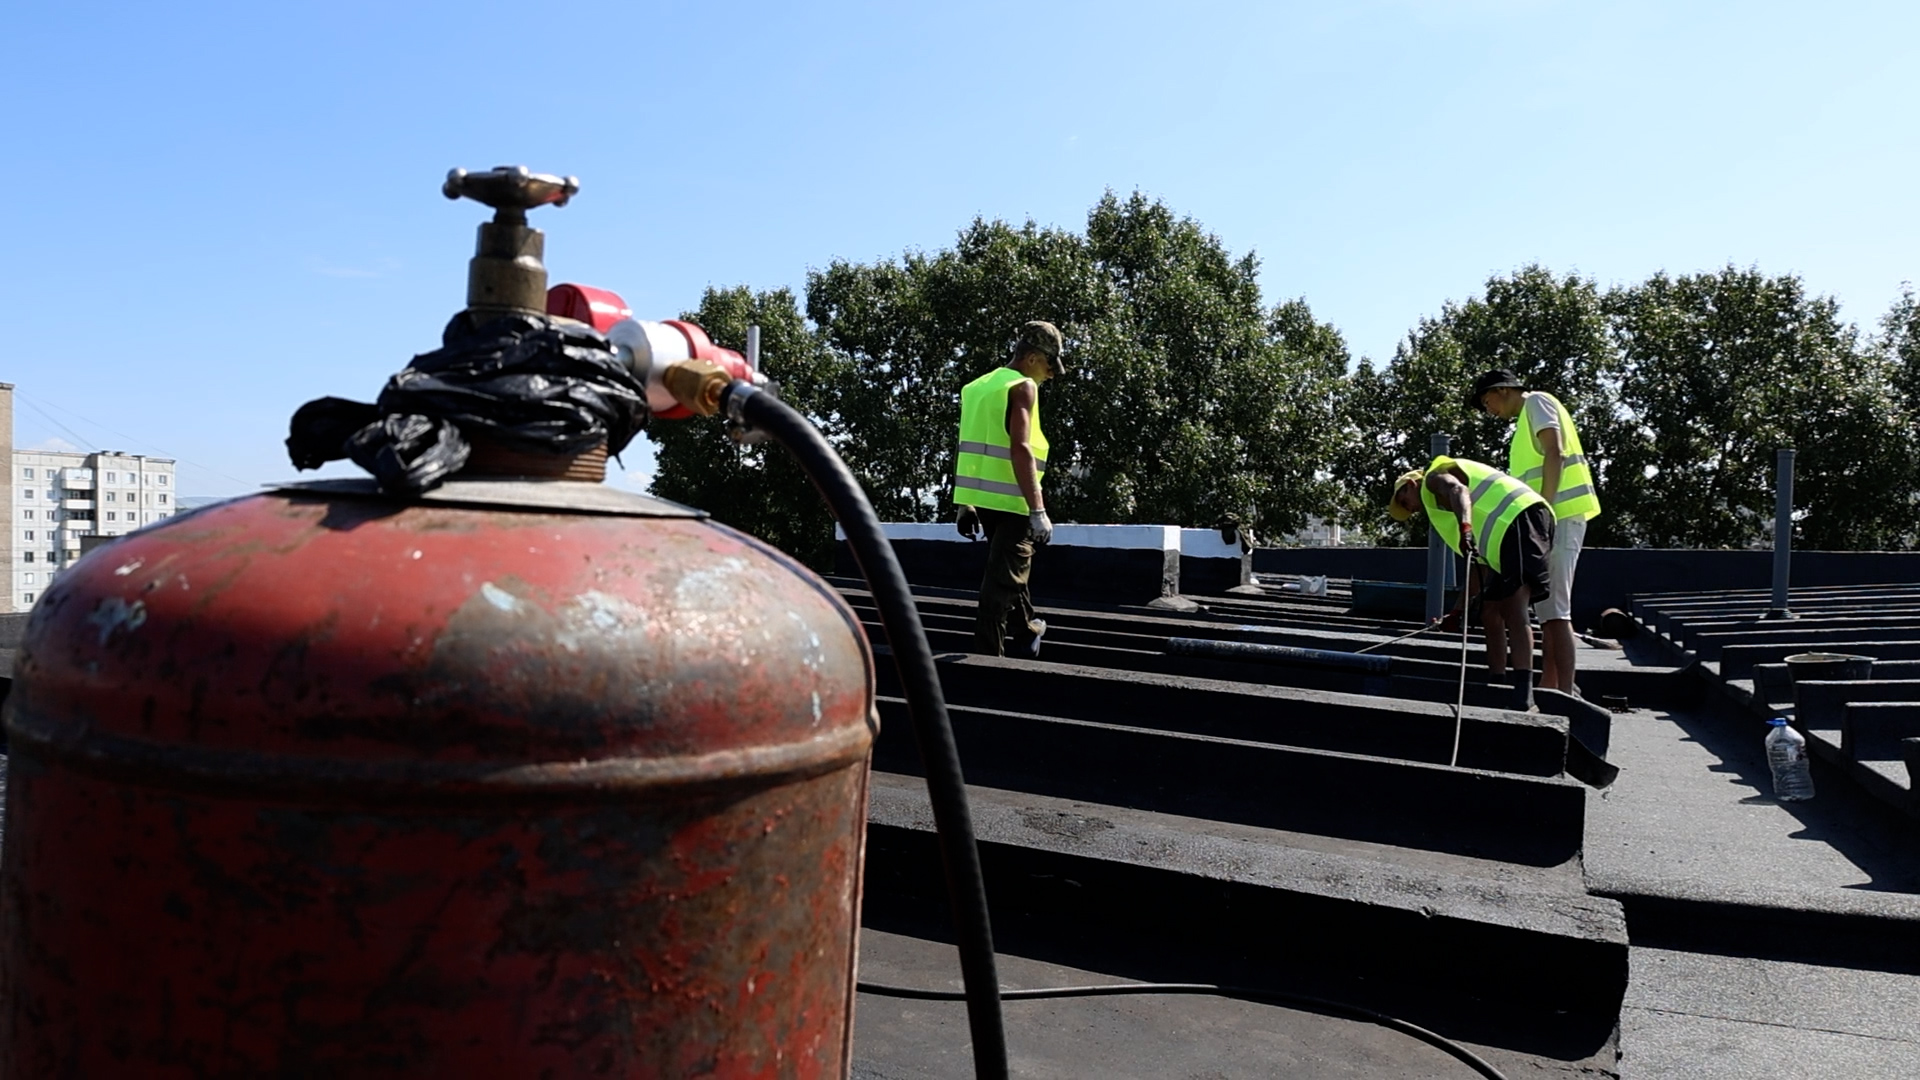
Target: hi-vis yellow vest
{"type": "Point", "coordinates": [1576, 497]}
{"type": "Point", "coordinates": [1495, 499]}
{"type": "Point", "coordinates": [983, 472]}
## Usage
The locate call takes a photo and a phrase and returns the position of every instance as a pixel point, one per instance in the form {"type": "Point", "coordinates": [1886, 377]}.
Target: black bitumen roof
{"type": "Point", "coordinates": [1148, 816]}
{"type": "Point", "coordinates": [1174, 818]}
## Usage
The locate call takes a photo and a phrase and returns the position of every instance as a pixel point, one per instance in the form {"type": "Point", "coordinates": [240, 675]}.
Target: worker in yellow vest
{"type": "Point", "coordinates": [1546, 454]}
{"type": "Point", "coordinates": [996, 484]}
{"type": "Point", "coordinates": [1504, 529]}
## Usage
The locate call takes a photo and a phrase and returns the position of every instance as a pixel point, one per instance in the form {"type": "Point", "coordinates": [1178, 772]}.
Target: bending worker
{"type": "Point", "coordinates": [997, 485]}
{"type": "Point", "coordinates": [1500, 525]}
{"type": "Point", "coordinates": [1546, 455]}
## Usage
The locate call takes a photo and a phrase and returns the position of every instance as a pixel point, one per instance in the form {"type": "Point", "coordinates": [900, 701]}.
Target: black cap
{"type": "Point", "coordinates": [1492, 380]}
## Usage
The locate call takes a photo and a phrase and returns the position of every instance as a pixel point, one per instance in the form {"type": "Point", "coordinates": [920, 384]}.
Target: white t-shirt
{"type": "Point", "coordinates": [1538, 412]}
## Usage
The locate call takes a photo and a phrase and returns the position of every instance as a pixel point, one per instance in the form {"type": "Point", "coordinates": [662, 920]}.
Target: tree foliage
{"type": "Point", "coordinates": [1184, 400]}
{"type": "Point", "coordinates": [756, 488]}
{"type": "Point", "coordinates": [1683, 389]}
{"type": "Point", "coordinates": [1188, 399]}
{"type": "Point", "coordinates": [907, 335]}
{"type": "Point", "coordinates": [1550, 331]}
{"type": "Point", "coordinates": [1718, 372]}
{"type": "Point", "coordinates": [1897, 346]}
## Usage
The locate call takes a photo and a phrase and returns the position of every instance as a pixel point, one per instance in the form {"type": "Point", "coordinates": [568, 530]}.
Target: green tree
{"type": "Point", "coordinates": [1722, 369]}
{"type": "Point", "coordinates": [1369, 456]}
{"type": "Point", "coordinates": [907, 335]}
{"type": "Point", "coordinates": [1204, 403]}
{"type": "Point", "coordinates": [1307, 386]}
{"type": "Point", "coordinates": [1551, 331]}
{"type": "Point", "coordinates": [1895, 351]}
{"type": "Point", "coordinates": [1185, 400]}
{"type": "Point", "coordinates": [756, 488]}
{"type": "Point", "coordinates": [1898, 346]}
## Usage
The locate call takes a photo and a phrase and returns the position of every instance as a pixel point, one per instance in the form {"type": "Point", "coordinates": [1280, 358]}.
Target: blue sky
{"type": "Point", "coordinates": [219, 211]}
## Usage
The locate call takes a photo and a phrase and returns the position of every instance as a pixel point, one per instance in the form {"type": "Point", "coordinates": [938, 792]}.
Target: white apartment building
{"type": "Point", "coordinates": [59, 497]}
{"type": "Point", "coordinates": [1318, 533]}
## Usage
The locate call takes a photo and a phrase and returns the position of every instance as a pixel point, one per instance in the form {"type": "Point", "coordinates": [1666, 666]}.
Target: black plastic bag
{"type": "Point", "coordinates": [521, 381]}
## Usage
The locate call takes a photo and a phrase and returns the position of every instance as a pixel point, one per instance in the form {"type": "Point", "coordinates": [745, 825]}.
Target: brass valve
{"type": "Point", "coordinates": [697, 385]}
{"type": "Point", "coordinates": [506, 275]}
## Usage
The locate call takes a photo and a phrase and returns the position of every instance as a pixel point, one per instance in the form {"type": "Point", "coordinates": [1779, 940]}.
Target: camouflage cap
{"type": "Point", "coordinates": [1043, 336]}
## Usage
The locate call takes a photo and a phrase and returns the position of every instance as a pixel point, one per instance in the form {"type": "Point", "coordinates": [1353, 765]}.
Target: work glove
{"type": "Point", "coordinates": [1467, 546]}
{"type": "Point", "coordinates": [968, 522]}
{"type": "Point", "coordinates": [1040, 527]}
{"type": "Point", "coordinates": [1450, 622]}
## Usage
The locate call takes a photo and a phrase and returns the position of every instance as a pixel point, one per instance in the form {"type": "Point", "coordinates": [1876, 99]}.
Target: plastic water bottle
{"type": "Point", "coordinates": [1787, 754]}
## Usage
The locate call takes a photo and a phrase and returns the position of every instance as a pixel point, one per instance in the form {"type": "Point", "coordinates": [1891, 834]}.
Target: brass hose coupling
{"type": "Point", "coordinates": [697, 385]}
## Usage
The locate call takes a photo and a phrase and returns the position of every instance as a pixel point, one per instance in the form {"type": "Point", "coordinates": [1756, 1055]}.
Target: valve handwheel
{"type": "Point", "coordinates": [511, 187]}
{"type": "Point", "coordinates": [506, 275]}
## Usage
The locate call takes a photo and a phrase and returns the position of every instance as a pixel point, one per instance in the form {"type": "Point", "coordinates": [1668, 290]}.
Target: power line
{"type": "Point", "coordinates": [85, 442]}
{"type": "Point", "coordinates": [137, 442]}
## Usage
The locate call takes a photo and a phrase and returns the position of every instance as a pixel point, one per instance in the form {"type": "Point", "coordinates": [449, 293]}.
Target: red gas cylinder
{"type": "Point", "coordinates": [520, 779]}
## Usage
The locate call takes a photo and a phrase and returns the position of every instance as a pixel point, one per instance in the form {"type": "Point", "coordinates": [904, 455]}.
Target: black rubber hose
{"type": "Point", "coordinates": [1432, 1038]}
{"type": "Point", "coordinates": [1283, 655]}
{"type": "Point", "coordinates": [926, 704]}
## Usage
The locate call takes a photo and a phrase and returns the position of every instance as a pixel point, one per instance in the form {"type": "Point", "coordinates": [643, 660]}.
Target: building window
{"type": "Point", "coordinates": [28, 494]}
{"type": "Point", "coordinates": [27, 556]}
{"type": "Point", "coordinates": [163, 498]}
{"type": "Point", "coordinates": [27, 514]}
{"type": "Point", "coordinates": [110, 496]}
{"type": "Point", "coordinates": [29, 577]}
{"type": "Point", "coordinates": [163, 481]}
{"type": "Point", "coordinates": [28, 597]}
{"type": "Point", "coordinates": [29, 534]}
{"type": "Point", "coordinates": [28, 473]}
{"type": "Point", "coordinates": [110, 479]}
{"type": "Point", "coordinates": [110, 516]}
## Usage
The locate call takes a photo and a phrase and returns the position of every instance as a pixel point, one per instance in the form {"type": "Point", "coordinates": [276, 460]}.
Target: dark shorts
{"type": "Point", "coordinates": [1523, 557]}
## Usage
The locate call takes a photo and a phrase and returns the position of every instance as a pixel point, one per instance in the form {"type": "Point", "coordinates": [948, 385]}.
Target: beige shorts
{"type": "Point", "coordinates": [1568, 535]}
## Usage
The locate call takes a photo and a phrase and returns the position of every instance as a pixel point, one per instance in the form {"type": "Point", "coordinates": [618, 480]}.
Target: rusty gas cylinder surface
{"type": "Point", "coordinates": [307, 785]}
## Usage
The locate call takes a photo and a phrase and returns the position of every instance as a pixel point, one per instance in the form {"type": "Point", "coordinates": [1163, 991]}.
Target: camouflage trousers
{"type": "Point", "coordinates": [1004, 599]}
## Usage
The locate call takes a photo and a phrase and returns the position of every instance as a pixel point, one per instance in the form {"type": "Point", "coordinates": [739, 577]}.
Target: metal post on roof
{"type": "Point", "coordinates": [1782, 533]}
{"type": "Point", "coordinates": [1440, 443]}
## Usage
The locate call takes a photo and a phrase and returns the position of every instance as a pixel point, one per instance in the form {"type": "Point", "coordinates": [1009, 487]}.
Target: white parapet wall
{"type": "Point", "coordinates": [1206, 544]}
